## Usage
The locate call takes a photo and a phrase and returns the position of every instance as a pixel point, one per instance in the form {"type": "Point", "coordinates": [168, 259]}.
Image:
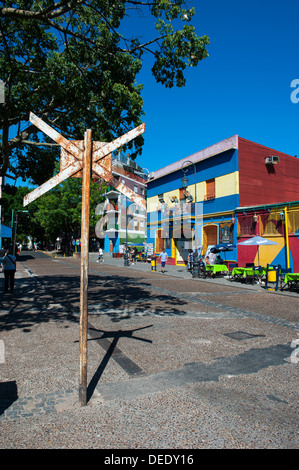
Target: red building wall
{"type": "Point", "coordinates": [266, 184]}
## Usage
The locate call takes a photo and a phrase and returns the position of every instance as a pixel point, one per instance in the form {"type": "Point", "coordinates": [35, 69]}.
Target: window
{"type": "Point", "coordinates": [135, 189]}
{"type": "Point", "coordinates": [272, 225]}
{"type": "Point", "coordinates": [210, 189]}
{"type": "Point", "coordinates": [247, 226]}
{"type": "Point", "coordinates": [185, 195]}
{"type": "Point", "coordinates": [293, 221]}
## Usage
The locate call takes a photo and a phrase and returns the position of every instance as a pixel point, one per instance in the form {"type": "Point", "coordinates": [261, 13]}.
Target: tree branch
{"type": "Point", "coordinates": [52, 11]}
{"type": "Point", "coordinates": [40, 144]}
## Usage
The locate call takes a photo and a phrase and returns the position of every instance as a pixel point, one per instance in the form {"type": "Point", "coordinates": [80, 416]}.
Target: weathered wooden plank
{"type": "Point", "coordinates": [84, 268]}
{"type": "Point", "coordinates": [66, 144]}
{"type": "Point", "coordinates": [115, 144]}
{"type": "Point", "coordinates": [51, 183]}
{"type": "Point", "coordinates": [109, 178]}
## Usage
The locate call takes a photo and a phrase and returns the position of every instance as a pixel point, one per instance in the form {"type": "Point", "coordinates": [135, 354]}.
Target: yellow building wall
{"type": "Point", "coordinates": [225, 185]}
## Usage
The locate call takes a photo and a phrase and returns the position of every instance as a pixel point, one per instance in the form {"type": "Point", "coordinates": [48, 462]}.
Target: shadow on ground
{"type": "Point", "coordinates": [57, 298]}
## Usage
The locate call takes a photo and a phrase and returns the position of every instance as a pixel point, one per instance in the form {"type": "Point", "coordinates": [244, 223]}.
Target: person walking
{"type": "Point", "coordinates": [134, 253]}
{"type": "Point", "coordinates": [9, 268]}
{"type": "Point", "coordinates": [163, 255]}
{"type": "Point", "coordinates": [190, 260]}
{"type": "Point", "coordinates": [100, 258]}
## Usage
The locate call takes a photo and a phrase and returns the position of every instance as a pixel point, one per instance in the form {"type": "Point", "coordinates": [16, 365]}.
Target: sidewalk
{"type": "Point", "coordinates": [173, 369]}
{"type": "Point", "coordinates": [183, 273]}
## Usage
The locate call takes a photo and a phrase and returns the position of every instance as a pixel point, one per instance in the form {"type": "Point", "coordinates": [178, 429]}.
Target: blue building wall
{"type": "Point", "coordinates": [213, 167]}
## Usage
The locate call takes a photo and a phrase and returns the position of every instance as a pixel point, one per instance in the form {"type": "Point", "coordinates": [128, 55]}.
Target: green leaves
{"type": "Point", "coordinates": [70, 64]}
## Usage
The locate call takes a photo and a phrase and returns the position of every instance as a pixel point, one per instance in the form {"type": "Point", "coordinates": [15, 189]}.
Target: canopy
{"type": "Point", "coordinates": [223, 247]}
{"type": "Point", "coordinates": [257, 240]}
{"type": "Point", "coordinates": [6, 232]}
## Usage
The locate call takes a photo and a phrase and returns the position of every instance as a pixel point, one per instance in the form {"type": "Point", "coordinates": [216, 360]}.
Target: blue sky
{"type": "Point", "coordinates": [243, 87]}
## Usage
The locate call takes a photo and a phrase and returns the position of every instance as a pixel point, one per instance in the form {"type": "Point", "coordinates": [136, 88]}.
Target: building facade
{"type": "Point", "coordinates": [123, 221]}
{"type": "Point", "coordinates": [224, 181]}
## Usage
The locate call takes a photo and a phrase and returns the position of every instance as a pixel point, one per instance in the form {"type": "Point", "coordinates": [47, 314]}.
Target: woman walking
{"type": "Point", "coordinates": [9, 268]}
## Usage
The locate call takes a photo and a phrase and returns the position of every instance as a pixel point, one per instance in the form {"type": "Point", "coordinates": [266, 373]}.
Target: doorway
{"type": "Point", "coordinates": [160, 240]}
{"type": "Point", "coordinates": [210, 236]}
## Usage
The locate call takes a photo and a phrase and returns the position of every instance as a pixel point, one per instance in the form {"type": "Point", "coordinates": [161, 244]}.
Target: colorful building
{"type": "Point", "coordinates": [123, 221]}
{"type": "Point", "coordinates": [226, 180]}
{"type": "Point", "coordinates": [276, 222]}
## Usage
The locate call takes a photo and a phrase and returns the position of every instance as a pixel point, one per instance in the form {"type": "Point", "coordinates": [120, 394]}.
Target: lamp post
{"type": "Point", "coordinates": [15, 225]}
{"type": "Point", "coordinates": [185, 182]}
{"type": "Point", "coordinates": [126, 254]}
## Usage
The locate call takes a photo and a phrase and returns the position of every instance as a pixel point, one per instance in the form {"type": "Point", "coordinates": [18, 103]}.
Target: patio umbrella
{"type": "Point", "coordinates": [223, 247]}
{"type": "Point", "coordinates": [257, 240]}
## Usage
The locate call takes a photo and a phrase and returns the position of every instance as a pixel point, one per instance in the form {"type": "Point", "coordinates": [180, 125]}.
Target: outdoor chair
{"type": "Point", "coordinates": [282, 273]}
{"type": "Point", "coordinates": [202, 270]}
{"type": "Point", "coordinates": [231, 266]}
{"type": "Point", "coordinates": [255, 274]}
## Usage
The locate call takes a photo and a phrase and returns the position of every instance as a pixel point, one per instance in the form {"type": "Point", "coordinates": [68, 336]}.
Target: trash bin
{"type": "Point", "coordinates": [271, 275]}
{"type": "Point", "coordinates": [153, 263]}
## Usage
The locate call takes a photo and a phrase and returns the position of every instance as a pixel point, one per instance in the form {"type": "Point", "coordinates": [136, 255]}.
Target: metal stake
{"type": "Point", "coordinates": [84, 268]}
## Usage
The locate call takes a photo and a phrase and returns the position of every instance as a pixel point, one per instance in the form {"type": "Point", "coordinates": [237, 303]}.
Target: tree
{"type": "Point", "coordinates": [69, 63]}
{"type": "Point", "coordinates": [13, 211]}
{"type": "Point", "coordinates": [55, 214]}
{"type": "Point", "coordinates": [58, 212]}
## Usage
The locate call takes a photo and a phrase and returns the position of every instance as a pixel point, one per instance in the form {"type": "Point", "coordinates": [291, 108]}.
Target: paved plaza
{"type": "Point", "coordinates": [173, 362]}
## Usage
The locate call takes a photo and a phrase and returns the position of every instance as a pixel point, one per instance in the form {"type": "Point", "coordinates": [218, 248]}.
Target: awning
{"type": "Point", "coordinates": [6, 232]}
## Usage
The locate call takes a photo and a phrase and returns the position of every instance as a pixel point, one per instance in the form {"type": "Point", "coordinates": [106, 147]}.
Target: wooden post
{"type": "Point", "coordinates": [72, 165]}
{"type": "Point", "coordinates": [84, 268]}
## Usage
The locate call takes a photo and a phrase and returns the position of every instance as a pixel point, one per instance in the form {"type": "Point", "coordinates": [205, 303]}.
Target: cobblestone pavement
{"type": "Point", "coordinates": [173, 362]}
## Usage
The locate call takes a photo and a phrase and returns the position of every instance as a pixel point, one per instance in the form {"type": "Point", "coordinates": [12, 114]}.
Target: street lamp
{"type": "Point", "coordinates": [126, 255]}
{"type": "Point", "coordinates": [15, 223]}
{"type": "Point", "coordinates": [185, 182]}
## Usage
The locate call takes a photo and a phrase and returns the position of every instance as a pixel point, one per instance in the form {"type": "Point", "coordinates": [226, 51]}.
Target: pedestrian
{"type": "Point", "coordinates": [100, 258]}
{"type": "Point", "coordinates": [111, 248]}
{"type": "Point", "coordinates": [126, 256]}
{"type": "Point", "coordinates": [163, 255]}
{"type": "Point", "coordinates": [9, 267]}
{"type": "Point", "coordinates": [190, 260]}
{"type": "Point", "coordinates": [134, 253]}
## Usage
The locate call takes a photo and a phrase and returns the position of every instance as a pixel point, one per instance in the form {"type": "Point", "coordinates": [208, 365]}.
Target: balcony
{"type": "Point", "coordinates": [112, 227]}
{"type": "Point", "coordinates": [209, 197]}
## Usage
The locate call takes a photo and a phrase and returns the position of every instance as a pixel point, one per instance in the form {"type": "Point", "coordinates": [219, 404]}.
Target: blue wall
{"type": "Point", "coordinates": [222, 164]}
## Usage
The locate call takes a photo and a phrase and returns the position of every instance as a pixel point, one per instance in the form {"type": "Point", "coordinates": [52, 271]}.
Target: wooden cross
{"type": "Point", "coordinates": [81, 159]}
{"type": "Point", "coordinates": [72, 161]}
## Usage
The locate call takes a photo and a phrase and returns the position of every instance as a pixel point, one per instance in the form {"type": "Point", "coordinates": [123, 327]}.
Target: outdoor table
{"type": "Point", "coordinates": [244, 272]}
{"type": "Point", "coordinates": [292, 280]}
{"type": "Point", "coordinates": [216, 268]}
{"type": "Point", "coordinates": [240, 272]}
